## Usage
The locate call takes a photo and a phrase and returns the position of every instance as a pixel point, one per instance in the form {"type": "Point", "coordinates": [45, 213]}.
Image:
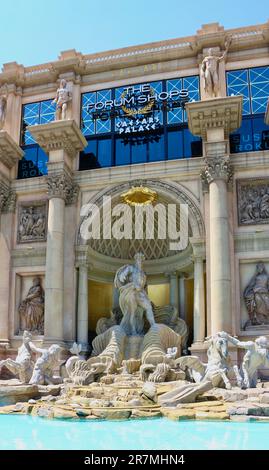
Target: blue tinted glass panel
{"type": "Point", "coordinates": [238, 84]}
{"type": "Point", "coordinates": [139, 152]}
{"type": "Point", "coordinates": [123, 152]}
{"type": "Point", "coordinates": [42, 162]}
{"type": "Point", "coordinates": [259, 86]}
{"type": "Point", "coordinates": [175, 144]}
{"type": "Point", "coordinates": [28, 165]}
{"type": "Point", "coordinates": [104, 152]}
{"type": "Point", "coordinates": [260, 134]}
{"type": "Point", "coordinates": [88, 158]}
{"type": "Point", "coordinates": [156, 148]}
{"type": "Point", "coordinates": [192, 145]}
{"type": "Point", "coordinates": [47, 112]}
{"type": "Point", "coordinates": [242, 139]}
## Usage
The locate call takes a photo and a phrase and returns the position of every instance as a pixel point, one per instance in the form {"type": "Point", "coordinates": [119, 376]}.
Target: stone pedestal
{"type": "Point", "coordinates": [61, 140]}
{"type": "Point", "coordinates": [214, 120]}
{"type": "Point", "coordinates": [10, 153]}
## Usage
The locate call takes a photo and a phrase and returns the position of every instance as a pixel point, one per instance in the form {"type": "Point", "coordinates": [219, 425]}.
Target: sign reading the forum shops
{"type": "Point", "coordinates": [137, 107]}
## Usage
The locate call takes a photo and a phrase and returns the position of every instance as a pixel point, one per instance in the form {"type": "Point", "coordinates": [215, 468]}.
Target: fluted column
{"type": "Point", "coordinates": [218, 173]}
{"type": "Point", "coordinates": [199, 301]}
{"type": "Point", "coordinates": [83, 310]}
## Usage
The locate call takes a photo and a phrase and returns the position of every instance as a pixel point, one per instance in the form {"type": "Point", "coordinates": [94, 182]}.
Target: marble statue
{"type": "Point", "coordinates": [32, 224]}
{"type": "Point", "coordinates": [256, 297]}
{"type": "Point", "coordinates": [43, 372]}
{"type": "Point", "coordinates": [133, 299]}
{"type": "Point", "coordinates": [23, 365]}
{"type": "Point", "coordinates": [3, 110]}
{"type": "Point", "coordinates": [210, 71]}
{"type": "Point", "coordinates": [31, 309]}
{"type": "Point", "coordinates": [63, 96]}
{"type": "Point", "coordinates": [256, 356]}
{"type": "Point", "coordinates": [127, 343]}
{"type": "Point", "coordinates": [218, 370]}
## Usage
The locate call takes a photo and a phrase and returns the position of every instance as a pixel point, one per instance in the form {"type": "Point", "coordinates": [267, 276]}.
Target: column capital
{"type": "Point", "coordinates": [61, 185]}
{"type": "Point", "coordinates": [59, 135]}
{"type": "Point", "coordinates": [198, 246]}
{"type": "Point", "coordinates": [206, 118]}
{"type": "Point", "coordinates": [216, 168]}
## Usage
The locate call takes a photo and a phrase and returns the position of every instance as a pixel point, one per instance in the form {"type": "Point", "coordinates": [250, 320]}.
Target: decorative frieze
{"type": "Point", "coordinates": [32, 222]}
{"type": "Point", "coordinates": [61, 185]}
{"type": "Point", "coordinates": [253, 201]}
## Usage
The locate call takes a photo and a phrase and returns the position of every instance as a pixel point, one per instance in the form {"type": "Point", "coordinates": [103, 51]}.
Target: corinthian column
{"type": "Point", "coordinates": [214, 120]}
{"type": "Point", "coordinates": [83, 309]}
{"type": "Point", "coordinates": [61, 140]}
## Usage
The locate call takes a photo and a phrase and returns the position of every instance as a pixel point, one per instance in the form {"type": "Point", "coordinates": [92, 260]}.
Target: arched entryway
{"type": "Point", "coordinates": [174, 277]}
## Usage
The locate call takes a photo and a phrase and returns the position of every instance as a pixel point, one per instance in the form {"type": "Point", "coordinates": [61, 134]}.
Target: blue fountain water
{"type": "Point", "coordinates": [26, 432]}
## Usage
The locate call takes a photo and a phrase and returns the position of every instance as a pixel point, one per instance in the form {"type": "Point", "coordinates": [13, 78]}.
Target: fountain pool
{"type": "Point", "coordinates": [27, 432]}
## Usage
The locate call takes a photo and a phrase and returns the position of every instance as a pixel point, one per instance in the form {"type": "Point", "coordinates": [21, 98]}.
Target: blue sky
{"type": "Point", "coordinates": [35, 31]}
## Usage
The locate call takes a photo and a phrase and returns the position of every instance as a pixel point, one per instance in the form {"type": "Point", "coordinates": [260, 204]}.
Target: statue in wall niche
{"type": "Point", "coordinates": [133, 299]}
{"type": "Point", "coordinates": [62, 98]}
{"type": "Point", "coordinates": [31, 309]}
{"type": "Point", "coordinates": [256, 297]}
{"type": "Point", "coordinates": [257, 356]}
{"type": "Point", "coordinates": [32, 224]}
{"type": "Point", "coordinates": [43, 372]}
{"type": "Point", "coordinates": [210, 70]}
{"type": "Point", "coordinates": [23, 365]}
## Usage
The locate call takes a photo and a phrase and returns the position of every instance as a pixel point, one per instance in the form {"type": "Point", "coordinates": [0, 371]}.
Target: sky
{"type": "Point", "coordinates": [36, 31]}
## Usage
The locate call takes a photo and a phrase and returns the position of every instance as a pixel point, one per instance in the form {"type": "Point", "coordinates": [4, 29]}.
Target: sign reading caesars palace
{"type": "Point", "coordinates": [160, 149]}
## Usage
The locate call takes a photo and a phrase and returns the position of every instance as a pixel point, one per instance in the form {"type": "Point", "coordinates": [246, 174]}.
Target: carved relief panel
{"type": "Point", "coordinates": [253, 201]}
{"type": "Point", "coordinates": [32, 222]}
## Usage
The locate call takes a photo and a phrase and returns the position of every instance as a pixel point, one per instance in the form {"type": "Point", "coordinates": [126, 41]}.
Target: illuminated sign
{"type": "Point", "coordinates": [136, 108]}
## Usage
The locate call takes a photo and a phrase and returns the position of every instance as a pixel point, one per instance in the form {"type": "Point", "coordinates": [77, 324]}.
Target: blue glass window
{"type": "Point", "coordinates": [145, 122]}
{"type": "Point", "coordinates": [253, 84]}
{"type": "Point", "coordinates": [34, 162]}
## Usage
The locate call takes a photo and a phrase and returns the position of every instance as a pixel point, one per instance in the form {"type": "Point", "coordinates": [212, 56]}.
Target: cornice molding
{"type": "Point", "coordinates": [218, 113]}
{"type": "Point", "coordinates": [58, 135]}
{"type": "Point", "coordinates": [81, 64]}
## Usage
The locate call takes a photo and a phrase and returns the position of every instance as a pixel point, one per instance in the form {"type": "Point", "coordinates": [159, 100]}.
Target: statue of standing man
{"type": "Point", "coordinates": [210, 71]}
{"type": "Point", "coordinates": [133, 300]}
{"type": "Point", "coordinates": [63, 96]}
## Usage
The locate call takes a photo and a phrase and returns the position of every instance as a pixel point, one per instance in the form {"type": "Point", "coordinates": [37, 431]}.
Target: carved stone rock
{"type": "Point", "coordinates": [32, 223]}
{"type": "Point", "coordinates": [253, 201]}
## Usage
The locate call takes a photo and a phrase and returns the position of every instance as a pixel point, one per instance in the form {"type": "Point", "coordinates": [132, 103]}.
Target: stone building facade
{"type": "Point", "coordinates": [187, 122]}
